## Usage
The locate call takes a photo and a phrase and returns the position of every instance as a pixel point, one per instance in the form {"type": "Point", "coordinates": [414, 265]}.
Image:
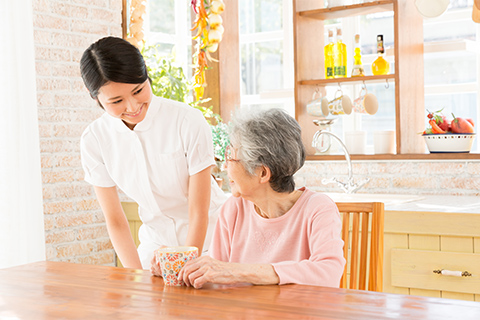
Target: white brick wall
{"type": "Point", "coordinates": [63, 29]}
{"type": "Point", "coordinates": [400, 177]}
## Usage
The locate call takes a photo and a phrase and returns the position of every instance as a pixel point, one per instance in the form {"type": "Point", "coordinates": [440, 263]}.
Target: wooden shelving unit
{"type": "Point", "coordinates": [309, 19]}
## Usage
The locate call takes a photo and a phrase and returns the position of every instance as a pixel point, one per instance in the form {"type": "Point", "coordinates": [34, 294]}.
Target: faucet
{"type": "Point", "coordinates": [350, 186]}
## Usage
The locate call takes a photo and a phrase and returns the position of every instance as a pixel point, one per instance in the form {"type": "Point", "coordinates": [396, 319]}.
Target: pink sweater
{"type": "Point", "coordinates": [304, 245]}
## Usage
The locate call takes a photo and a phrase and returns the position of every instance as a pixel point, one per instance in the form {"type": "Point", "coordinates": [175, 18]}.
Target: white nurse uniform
{"type": "Point", "coordinates": [151, 164]}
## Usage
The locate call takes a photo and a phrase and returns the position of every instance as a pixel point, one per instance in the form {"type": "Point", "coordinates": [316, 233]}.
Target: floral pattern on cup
{"type": "Point", "coordinates": [171, 261]}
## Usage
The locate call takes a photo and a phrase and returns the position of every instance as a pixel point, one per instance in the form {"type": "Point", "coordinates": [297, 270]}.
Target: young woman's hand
{"type": "Point", "coordinates": [155, 266]}
{"type": "Point", "coordinates": [205, 269]}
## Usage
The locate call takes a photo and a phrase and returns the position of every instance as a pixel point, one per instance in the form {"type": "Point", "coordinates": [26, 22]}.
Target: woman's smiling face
{"type": "Point", "coordinates": [126, 101]}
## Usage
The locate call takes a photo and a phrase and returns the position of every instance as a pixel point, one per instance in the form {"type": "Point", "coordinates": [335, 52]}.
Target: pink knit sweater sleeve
{"type": "Point", "coordinates": [220, 245]}
{"type": "Point", "coordinates": [325, 265]}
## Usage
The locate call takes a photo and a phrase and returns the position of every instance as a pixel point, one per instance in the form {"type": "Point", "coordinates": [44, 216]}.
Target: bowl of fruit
{"type": "Point", "coordinates": [449, 135]}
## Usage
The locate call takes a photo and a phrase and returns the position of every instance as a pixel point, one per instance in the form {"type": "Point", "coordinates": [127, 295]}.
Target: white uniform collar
{"type": "Point", "coordinates": [152, 110]}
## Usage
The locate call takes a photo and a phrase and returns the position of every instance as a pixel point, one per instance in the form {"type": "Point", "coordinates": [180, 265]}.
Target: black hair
{"type": "Point", "coordinates": [111, 59]}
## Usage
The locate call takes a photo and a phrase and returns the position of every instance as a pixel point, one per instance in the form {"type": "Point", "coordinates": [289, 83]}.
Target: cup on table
{"type": "Point", "coordinates": [171, 260]}
{"type": "Point", "coordinates": [356, 142]}
{"type": "Point", "coordinates": [384, 142]}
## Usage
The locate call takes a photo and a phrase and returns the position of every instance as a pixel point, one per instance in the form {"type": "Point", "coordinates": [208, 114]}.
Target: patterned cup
{"type": "Point", "coordinates": [171, 260]}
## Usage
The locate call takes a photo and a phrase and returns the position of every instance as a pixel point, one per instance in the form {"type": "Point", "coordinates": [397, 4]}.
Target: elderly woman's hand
{"type": "Point", "coordinates": [205, 269]}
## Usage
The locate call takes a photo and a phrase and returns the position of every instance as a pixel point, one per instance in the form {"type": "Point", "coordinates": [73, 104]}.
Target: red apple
{"type": "Point", "coordinates": [461, 125]}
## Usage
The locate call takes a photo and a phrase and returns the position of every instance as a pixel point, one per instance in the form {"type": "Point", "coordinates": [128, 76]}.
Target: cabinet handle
{"type": "Point", "coordinates": [453, 273]}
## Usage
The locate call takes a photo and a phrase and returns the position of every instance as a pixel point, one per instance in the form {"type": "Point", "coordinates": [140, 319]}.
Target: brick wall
{"type": "Point", "coordinates": [399, 177]}
{"type": "Point", "coordinates": [74, 225]}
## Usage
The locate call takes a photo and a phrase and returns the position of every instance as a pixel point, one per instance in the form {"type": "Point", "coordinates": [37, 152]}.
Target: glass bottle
{"type": "Point", "coordinates": [380, 65]}
{"type": "Point", "coordinates": [340, 57]}
{"type": "Point", "coordinates": [328, 55]}
{"type": "Point", "coordinates": [357, 70]}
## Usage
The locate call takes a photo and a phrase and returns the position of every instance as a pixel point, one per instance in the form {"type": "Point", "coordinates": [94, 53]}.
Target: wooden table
{"type": "Point", "coordinates": [58, 290]}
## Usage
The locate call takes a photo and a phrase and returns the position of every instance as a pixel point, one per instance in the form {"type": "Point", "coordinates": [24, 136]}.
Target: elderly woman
{"type": "Point", "coordinates": [269, 232]}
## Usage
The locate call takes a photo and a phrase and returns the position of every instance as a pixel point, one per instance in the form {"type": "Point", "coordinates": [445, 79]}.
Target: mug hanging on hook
{"type": "Point", "coordinates": [341, 104]}
{"type": "Point", "coordinates": [314, 107]}
{"type": "Point", "coordinates": [366, 102]}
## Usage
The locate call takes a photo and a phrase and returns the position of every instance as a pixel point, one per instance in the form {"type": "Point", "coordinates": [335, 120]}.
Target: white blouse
{"type": "Point", "coordinates": [152, 164]}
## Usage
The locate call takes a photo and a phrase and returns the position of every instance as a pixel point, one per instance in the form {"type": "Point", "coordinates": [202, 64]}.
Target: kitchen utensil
{"type": "Point", "coordinates": [314, 107]}
{"type": "Point", "coordinates": [449, 142]}
{"type": "Point", "coordinates": [323, 142]}
{"type": "Point", "coordinates": [432, 8]}
{"type": "Point", "coordinates": [342, 104]}
{"type": "Point", "coordinates": [384, 142]}
{"type": "Point", "coordinates": [365, 103]}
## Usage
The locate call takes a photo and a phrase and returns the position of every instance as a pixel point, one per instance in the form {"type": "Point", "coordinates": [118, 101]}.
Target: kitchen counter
{"type": "Point", "coordinates": [415, 203]}
{"type": "Point", "coordinates": [439, 203]}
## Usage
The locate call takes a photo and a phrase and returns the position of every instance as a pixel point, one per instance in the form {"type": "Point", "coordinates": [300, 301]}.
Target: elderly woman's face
{"type": "Point", "coordinates": [242, 183]}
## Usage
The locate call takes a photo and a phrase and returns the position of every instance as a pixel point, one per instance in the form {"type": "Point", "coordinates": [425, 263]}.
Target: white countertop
{"type": "Point", "coordinates": [425, 203]}
{"type": "Point", "coordinates": [440, 203]}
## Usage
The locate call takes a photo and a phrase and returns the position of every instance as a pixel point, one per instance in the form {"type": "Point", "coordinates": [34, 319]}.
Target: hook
{"type": "Point", "coordinates": [364, 86]}
{"type": "Point", "coordinates": [387, 85]}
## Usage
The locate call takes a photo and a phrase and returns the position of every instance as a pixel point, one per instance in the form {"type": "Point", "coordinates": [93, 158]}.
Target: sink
{"type": "Point", "coordinates": [387, 199]}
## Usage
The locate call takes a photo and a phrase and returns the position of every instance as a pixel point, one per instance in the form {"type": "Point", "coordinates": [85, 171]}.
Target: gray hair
{"type": "Point", "coordinates": [271, 138]}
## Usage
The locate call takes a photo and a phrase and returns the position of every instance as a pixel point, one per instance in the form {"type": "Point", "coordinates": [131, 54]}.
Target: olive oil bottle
{"type": "Point", "coordinates": [357, 70]}
{"type": "Point", "coordinates": [328, 55]}
{"type": "Point", "coordinates": [380, 65]}
{"type": "Point", "coordinates": [340, 57]}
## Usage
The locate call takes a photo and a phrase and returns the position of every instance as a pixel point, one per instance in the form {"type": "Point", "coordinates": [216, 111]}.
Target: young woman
{"type": "Point", "coordinates": [157, 151]}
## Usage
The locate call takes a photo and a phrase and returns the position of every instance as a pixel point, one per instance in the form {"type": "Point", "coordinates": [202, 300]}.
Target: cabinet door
{"type": "Point", "coordinates": [417, 269]}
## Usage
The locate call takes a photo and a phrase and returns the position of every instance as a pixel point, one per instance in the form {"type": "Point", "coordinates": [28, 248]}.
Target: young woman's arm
{"type": "Point", "coordinates": [117, 226]}
{"type": "Point", "coordinates": [199, 190]}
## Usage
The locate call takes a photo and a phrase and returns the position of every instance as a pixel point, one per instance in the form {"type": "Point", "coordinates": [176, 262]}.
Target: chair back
{"type": "Point", "coordinates": [362, 232]}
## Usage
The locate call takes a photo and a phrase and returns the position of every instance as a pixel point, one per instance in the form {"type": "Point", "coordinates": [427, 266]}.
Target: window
{"type": "Point", "coordinates": [167, 25]}
{"type": "Point", "coordinates": [266, 53]}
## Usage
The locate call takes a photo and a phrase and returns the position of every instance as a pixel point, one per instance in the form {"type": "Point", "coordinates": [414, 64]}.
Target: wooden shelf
{"type": "Point", "coordinates": [376, 157]}
{"type": "Point", "coordinates": [350, 10]}
{"type": "Point", "coordinates": [350, 80]}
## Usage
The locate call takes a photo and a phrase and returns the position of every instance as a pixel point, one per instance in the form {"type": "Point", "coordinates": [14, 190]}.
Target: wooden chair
{"type": "Point", "coordinates": [361, 246]}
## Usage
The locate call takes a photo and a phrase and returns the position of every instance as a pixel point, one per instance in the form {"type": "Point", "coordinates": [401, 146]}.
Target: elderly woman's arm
{"type": "Point", "coordinates": [206, 269]}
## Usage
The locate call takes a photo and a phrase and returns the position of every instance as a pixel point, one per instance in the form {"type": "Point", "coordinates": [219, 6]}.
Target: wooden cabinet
{"type": "Point", "coordinates": [308, 22]}
{"type": "Point", "coordinates": [417, 243]}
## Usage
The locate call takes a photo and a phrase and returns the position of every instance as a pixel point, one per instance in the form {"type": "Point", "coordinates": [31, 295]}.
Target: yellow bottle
{"type": "Point", "coordinates": [357, 70]}
{"type": "Point", "coordinates": [328, 56]}
{"type": "Point", "coordinates": [340, 57]}
{"type": "Point", "coordinates": [380, 65]}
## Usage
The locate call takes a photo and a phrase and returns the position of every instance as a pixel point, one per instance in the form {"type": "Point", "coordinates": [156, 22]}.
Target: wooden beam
{"type": "Point", "coordinates": [223, 78]}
